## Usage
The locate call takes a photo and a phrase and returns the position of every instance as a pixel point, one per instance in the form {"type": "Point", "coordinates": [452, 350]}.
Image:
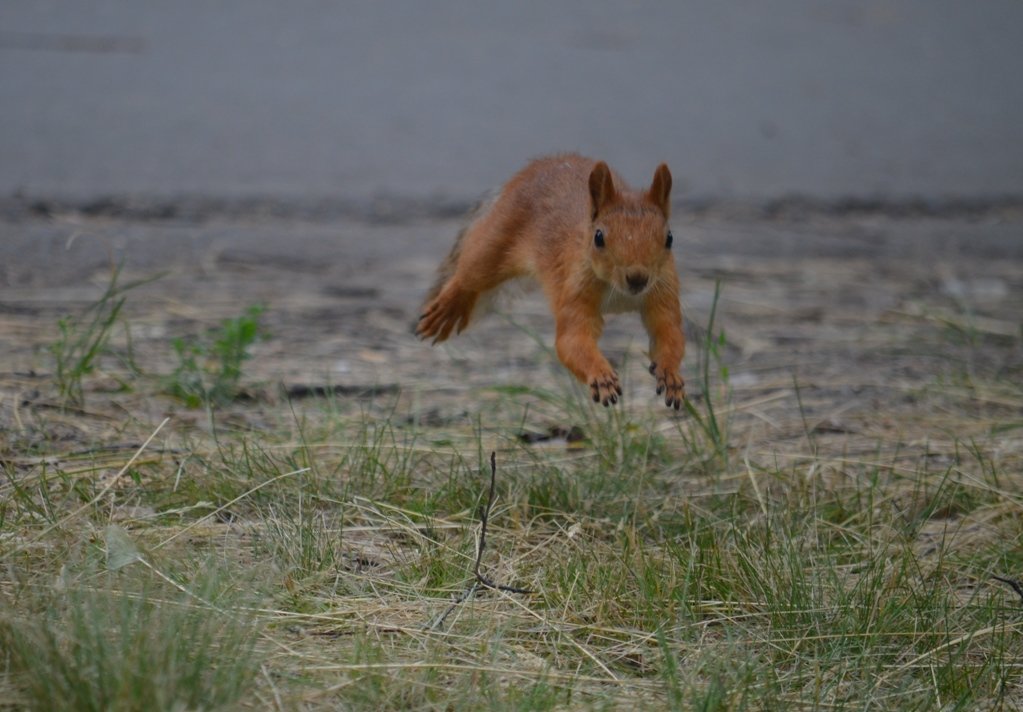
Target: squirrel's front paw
{"type": "Point", "coordinates": [605, 388]}
{"type": "Point", "coordinates": [669, 383]}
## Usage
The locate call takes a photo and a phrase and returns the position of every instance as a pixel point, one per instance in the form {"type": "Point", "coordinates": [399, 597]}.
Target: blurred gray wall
{"type": "Point", "coordinates": [745, 100]}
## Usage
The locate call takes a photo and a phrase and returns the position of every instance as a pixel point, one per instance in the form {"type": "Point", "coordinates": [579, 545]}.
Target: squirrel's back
{"type": "Point", "coordinates": [527, 219]}
{"type": "Point", "coordinates": [540, 214]}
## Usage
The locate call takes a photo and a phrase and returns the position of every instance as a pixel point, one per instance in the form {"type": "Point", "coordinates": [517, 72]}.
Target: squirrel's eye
{"type": "Point", "coordinates": [598, 238]}
{"type": "Point", "coordinates": [670, 239]}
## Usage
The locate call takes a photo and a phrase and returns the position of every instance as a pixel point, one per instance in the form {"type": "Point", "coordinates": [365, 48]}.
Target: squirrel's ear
{"type": "Point", "coordinates": [602, 188]}
{"type": "Point", "coordinates": [660, 189]}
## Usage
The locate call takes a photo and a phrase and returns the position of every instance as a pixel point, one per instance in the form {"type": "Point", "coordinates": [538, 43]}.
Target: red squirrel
{"type": "Point", "coordinates": [594, 245]}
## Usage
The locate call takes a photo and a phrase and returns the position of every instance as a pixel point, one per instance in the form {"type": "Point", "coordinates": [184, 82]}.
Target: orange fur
{"type": "Point", "coordinates": [544, 225]}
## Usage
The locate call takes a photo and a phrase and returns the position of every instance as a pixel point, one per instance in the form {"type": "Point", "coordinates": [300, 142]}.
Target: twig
{"type": "Point", "coordinates": [1014, 583]}
{"type": "Point", "coordinates": [480, 579]}
{"type": "Point", "coordinates": [460, 599]}
{"type": "Point", "coordinates": [484, 517]}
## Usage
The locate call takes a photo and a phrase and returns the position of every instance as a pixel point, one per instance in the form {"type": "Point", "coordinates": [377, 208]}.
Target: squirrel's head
{"type": "Point", "coordinates": [630, 242]}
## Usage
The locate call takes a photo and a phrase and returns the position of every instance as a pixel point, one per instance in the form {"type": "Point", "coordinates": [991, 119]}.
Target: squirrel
{"type": "Point", "coordinates": [595, 246]}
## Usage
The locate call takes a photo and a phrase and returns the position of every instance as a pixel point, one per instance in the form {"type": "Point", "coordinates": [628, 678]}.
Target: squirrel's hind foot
{"type": "Point", "coordinates": [448, 311]}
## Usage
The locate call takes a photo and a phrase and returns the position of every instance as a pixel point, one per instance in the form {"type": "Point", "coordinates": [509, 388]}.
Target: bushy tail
{"type": "Point", "coordinates": [446, 269]}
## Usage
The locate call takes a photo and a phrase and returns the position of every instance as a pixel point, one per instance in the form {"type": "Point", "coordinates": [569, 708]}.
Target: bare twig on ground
{"type": "Point", "coordinates": [1014, 583]}
{"type": "Point", "coordinates": [479, 579]}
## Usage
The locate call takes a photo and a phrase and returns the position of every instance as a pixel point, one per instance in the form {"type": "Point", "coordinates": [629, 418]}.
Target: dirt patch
{"type": "Point", "coordinates": [859, 313]}
{"type": "Point", "coordinates": [849, 332]}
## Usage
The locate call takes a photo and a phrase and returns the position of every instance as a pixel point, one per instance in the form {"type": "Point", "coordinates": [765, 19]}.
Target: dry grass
{"type": "Point", "coordinates": [837, 535]}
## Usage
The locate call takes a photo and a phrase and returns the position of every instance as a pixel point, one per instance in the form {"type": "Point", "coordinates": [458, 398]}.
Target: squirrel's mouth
{"type": "Point", "coordinates": [620, 298]}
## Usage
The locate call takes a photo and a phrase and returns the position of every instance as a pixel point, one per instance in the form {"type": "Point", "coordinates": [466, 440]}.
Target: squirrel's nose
{"type": "Point", "coordinates": [637, 281]}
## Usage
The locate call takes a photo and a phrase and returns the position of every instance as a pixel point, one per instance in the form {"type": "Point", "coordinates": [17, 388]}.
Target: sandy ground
{"type": "Point", "coordinates": [863, 311]}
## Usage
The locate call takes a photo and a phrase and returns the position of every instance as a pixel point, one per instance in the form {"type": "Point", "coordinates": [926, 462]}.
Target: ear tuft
{"type": "Point", "coordinates": [602, 188]}
{"type": "Point", "coordinates": [660, 189]}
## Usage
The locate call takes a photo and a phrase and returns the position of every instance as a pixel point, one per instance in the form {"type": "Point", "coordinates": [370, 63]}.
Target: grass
{"type": "Point", "coordinates": [85, 337]}
{"type": "Point", "coordinates": [209, 368]}
{"type": "Point", "coordinates": [733, 558]}
{"type": "Point", "coordinates": [106, 641]}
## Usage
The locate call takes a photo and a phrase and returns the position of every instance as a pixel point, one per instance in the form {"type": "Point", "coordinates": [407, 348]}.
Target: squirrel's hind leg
{"type": "Point", "coordinates": [478, 265]}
